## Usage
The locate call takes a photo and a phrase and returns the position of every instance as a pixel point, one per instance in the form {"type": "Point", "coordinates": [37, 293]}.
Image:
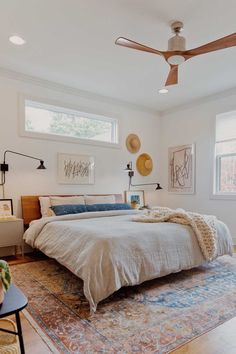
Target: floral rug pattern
{"type": "Point", "coordinates": [154, 317]}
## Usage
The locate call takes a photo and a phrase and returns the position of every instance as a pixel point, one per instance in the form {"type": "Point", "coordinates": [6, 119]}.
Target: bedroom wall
{"type": "Point", "coordinates": [24, 179]}
{"type": "Point", "coordinates": [196, 124]}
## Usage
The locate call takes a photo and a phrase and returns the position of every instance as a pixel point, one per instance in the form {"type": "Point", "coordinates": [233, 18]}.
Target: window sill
{"type": "Point", "coordinates": [67, 139]}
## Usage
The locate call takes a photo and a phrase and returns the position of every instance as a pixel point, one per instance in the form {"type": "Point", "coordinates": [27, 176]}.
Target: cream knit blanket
{"type": "Point", "coordinates": [202, 225]}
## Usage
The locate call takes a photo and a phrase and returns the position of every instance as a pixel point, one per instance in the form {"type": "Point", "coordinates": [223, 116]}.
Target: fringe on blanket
{"type": "Point", "coordinates": [204, 226]}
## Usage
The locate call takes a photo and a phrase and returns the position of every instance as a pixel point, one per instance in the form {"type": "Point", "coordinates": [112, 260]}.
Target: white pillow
{"type": "Point", "coordinates": [66, 200]}
{"type": "Point", "coordinates": [99, 199]}
{"type": "Point", "coordinates": [45, 205]}
{"type": "Point", "coordinates": [47, 202]}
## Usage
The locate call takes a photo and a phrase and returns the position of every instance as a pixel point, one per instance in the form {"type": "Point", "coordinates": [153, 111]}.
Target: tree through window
{"type": "Point", "coordinates": [53, 120]}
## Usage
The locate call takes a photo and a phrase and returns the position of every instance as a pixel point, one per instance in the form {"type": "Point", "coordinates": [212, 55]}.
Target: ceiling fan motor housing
{"type": "Point", "coordinates": [177, 43]}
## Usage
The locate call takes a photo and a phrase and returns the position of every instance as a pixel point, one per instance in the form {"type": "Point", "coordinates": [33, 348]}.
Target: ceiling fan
{"type": "Point", "coordinates": [177, 53]}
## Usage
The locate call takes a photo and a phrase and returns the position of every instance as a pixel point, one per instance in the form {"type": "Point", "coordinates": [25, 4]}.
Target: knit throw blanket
{"type": "Point", "coordinates": [203, 226]}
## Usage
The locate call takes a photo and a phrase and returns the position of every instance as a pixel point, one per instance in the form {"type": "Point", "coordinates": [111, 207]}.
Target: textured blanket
{"type": "Point", "coordinates": [204, 226]}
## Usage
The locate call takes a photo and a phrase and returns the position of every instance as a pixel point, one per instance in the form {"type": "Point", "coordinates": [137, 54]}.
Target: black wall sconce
{"type": "Point", "coordinates": [4, 166]}
{"type": "Point", "coordinates": [130, 170]}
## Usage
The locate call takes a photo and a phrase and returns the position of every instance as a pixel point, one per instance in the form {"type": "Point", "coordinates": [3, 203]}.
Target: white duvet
{"type": "Point", "coordinates": [108, 250]}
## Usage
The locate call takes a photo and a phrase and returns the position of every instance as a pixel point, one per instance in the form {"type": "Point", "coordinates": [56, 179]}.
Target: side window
{"type": "Point", "coordinates": [225, 154]}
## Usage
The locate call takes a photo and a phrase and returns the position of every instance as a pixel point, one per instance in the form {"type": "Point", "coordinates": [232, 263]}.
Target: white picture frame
{"type": "Point", "coordinates": [135, 198]}
{"type": "Point", "coordinates": [181, 169]}
{"type": "Point", "coordinates": [75, 169]}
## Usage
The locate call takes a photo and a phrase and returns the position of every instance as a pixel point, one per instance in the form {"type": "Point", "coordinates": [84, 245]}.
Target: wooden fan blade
{"type": "Point", "coordinates": [172, 78]}
{"type": "Point", "coordinates": [222, 43]}
{"type": "Point", "coordinates": [134, 45]}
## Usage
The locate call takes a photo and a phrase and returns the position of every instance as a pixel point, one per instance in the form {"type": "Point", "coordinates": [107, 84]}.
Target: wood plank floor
{"type": "Point", "coordinates": [221, 340]}
{"type": "Point", "coordinates": [32, 340]}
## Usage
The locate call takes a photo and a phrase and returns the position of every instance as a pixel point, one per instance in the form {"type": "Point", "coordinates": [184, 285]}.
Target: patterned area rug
{"type": "Point", "coordinates": [154, 317]}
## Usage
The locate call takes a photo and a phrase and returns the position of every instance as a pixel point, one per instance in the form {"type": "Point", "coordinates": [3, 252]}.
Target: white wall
{"type": "Point", "coordinates": [24, 179]}
{"type": "Point", "coordinates": [196, 125]}
{"type": "Point", "coordinates": [186, 125]}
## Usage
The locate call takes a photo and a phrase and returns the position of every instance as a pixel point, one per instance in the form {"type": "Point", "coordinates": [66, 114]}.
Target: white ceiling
{"type": "Point", "coordinates": [72, 42]}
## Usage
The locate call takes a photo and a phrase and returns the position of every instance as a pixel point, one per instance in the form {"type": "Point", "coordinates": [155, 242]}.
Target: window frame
{"type": "Point", "coordinates": [66, 108]}
{"type": "Point", "coordinates": [218, 173]}
{"type": "Point", "coordinates": [216, 193]}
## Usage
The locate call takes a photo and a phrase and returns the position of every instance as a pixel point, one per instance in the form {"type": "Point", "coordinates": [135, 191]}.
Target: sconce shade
{"type": "Point", "coordinates": [158, 187]}
{"type": "Point", "coordinates": [129, 167]}
{"type": "Point", "coordinates": [41, 166]}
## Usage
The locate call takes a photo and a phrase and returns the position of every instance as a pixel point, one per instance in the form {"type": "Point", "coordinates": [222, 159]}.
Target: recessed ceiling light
{"type": "Point", "coordinates": [17, 40]}
{"type": "Point", "coordinates": [164, 90]}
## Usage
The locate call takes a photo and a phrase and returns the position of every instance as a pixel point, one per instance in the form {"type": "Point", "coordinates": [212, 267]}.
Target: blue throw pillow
{"type": "Point", "coordinates": [69, 209]}
{"type": "Point", "coordinates": [80, 208]}
{"type": "Point", "coordinates": [107, 207]}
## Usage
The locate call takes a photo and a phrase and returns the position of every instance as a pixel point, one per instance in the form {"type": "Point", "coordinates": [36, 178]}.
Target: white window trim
{"type": "Point", "coordinates": [67, 107]}
{"type": "Point", "coordinates": [216, 195]}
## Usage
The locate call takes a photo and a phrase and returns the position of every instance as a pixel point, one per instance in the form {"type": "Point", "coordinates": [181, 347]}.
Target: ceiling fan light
{"type": "Point", "coordinates": [176, 60]}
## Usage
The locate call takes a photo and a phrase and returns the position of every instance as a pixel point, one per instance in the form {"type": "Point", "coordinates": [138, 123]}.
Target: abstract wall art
{"type": "Point", "coordinates": [181, 166]}
{"type": "Point", "coordinates": [75, 169]}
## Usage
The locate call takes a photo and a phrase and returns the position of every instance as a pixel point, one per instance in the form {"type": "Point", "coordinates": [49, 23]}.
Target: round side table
{"type": "Point", "coordinates": [14, 302]}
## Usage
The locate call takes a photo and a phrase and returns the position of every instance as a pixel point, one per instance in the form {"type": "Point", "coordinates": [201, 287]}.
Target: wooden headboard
{"type": "Point", "coordinates": [31, 207]}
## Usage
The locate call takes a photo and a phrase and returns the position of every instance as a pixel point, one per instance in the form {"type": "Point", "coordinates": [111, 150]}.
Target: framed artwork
{"type": "Point", "coordinates": [75, 169]}
{"type": "Point", "coordinates": [181, 166]}
{"type": "Point", "coordinates": [6, 207]}
{"type": "Point", "coordinates": [135, 198]}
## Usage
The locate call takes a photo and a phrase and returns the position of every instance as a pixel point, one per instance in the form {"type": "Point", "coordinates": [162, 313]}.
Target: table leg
{"type": "Point", "coordinates": [19, 330]}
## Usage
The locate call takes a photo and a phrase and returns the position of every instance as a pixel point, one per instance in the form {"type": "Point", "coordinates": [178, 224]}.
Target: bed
{"type": "Point", "coordinates": [108, 250]}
